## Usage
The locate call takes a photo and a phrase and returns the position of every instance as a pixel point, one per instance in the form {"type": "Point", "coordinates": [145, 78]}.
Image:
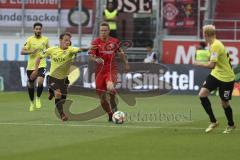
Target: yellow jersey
{"type": "Point", "coordinates": [61, 60]}
{"type": "Point", "coordinates": [33, 43]}
{"type": "Point", "coordinates": [223, 70]}
{"type": "Point", "coordinates": [202, 55]}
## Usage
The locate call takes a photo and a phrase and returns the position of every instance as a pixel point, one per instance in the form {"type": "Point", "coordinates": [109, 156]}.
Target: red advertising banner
{"type": "Point", "coordinates": [183, 52]}
{"type": "Point", "coordinates": [180, 13]}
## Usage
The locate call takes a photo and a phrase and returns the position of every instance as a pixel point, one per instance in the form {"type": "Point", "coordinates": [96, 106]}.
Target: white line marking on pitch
{"type": "Point", "coordinates": [104, 126]}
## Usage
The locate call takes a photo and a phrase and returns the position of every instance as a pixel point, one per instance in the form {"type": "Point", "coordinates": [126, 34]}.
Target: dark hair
{"type": "Point", "coordinates": [65, 34]}
{"type": "Point", "coordinates": [105, 24]}
{"type": "Point", "coordinates": [37, 24]}
{"type": "Point", "coordinates": [202, 45]}
{"type": "Point", "coordinates": [113, 3]}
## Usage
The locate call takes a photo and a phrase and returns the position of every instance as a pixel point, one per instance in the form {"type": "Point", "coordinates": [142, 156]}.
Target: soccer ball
{"type": "Point", "coordinates": [118, 117]}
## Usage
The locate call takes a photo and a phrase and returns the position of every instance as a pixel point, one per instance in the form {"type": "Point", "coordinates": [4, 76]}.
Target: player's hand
{"type": "Point", "coordinates": [126, 67]}
{"type": "Point", "coordinates": [93, 47]}
{"type": "Point", "coordinates": [34, 75]}
{"type": "Point", "coordinates": [196, 63]}
{"type": "Point", "coordinates": [99, 60]}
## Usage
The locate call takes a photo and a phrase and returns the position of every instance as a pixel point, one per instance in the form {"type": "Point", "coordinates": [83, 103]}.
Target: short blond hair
{"type": "Point", "coordinates": [209, 30]}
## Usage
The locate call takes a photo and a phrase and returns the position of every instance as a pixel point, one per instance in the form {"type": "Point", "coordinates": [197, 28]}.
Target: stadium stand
{"type": "Point", "coordinates": [226, 19]}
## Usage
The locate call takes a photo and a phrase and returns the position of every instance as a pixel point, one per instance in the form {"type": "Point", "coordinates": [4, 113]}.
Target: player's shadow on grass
{"type": "Point", "coordinates": [129, 98]}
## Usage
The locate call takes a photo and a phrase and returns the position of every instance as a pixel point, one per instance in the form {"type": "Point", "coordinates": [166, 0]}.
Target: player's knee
{"type": "Point", "coordinates": [200, 95]}
{"type": "Point", "coordinates": [58, 94]}
{"type": "Point", "coordinates": [203, 92]}
{"type": "Point", "coordinates": [40, 84]}
{"type": "Point", "coordinates": [225, 104]}
{"type": "Point", "coordinates": [40, 80]}
{"type": "Point", "coordinates": [110, 88]}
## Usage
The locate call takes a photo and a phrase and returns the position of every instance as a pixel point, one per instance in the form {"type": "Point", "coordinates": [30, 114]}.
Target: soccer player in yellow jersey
{"type": "Point", "coordinates": [221, 77]}
{"type": "Point", "coordinates": [61, 59]}
{"type": "Point", "coordinates": [34, 46]}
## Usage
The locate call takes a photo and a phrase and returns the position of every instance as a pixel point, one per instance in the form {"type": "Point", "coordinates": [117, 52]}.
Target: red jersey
{"type": "Point", "coordinates": [106, 50]}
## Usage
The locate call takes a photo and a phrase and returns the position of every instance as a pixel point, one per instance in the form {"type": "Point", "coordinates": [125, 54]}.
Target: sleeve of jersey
{"type": "Point", "coordinates": [74, 50]}
{"type": "Point", "coordinates": [26, 44]}
{"type": "Point", "coordinates": [214, 54]}
{"type": "Point", "coordinates": [46, 53]}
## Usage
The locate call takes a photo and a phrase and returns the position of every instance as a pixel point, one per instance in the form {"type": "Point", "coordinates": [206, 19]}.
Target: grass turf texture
{"type": "Point", "coordinates": [177, 134]}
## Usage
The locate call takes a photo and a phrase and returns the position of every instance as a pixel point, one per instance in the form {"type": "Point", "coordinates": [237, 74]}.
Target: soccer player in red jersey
{"type": "Point", "coordinates": [107, 48]}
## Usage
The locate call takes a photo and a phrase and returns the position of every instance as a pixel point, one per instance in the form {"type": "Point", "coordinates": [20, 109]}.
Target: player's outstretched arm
{"type": "Point", "coordinates": [79, 50]}
{"type": "Point", "coordinates": [92, 47]}
{"type": "Point", "coordinates": [27, 52]}
{"type": "Point", "coordinates": [209, 65]}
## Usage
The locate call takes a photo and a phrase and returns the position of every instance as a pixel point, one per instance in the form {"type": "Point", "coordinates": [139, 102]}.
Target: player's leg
{"type": "Point", "coordinates": [101, 90]}
{"type": "Point", "coordinates": [210, 84]}
{"type": "Point", "coordinates": [60, 99]}
{"type": "Point", "coordinates": [50, 90]}
{"type": "Point", "coordinates": [105, 105]}
{"type": "Point", "coordinates": [56, 86]}
{"type": "Point", "coordinates": [111, 81]}
{"type": "Point", "coordinates": [59, 102]}
{"type": "Point", "coordinates": [64, 91]}
{"type": "Point", "coordinates": [112, 93]}
{"type": "Point", "coordinates": [225, 93]}
{"type": "Point", "coordinates": [40, 79]}
{"type": "Point", "coordinates": [30, 86]}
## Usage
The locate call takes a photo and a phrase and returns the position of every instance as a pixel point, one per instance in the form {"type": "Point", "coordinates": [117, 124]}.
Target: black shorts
{"type": "Point", "coordinates": [41, 73]}
{"type": "Point", "coordinates": [225, 88]}
{"type": "Point", "coordinates": [54, 84]}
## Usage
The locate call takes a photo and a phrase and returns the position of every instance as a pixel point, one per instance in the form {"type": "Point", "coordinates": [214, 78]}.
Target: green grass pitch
{"type": "Point", "coordinates": [164, 127]}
